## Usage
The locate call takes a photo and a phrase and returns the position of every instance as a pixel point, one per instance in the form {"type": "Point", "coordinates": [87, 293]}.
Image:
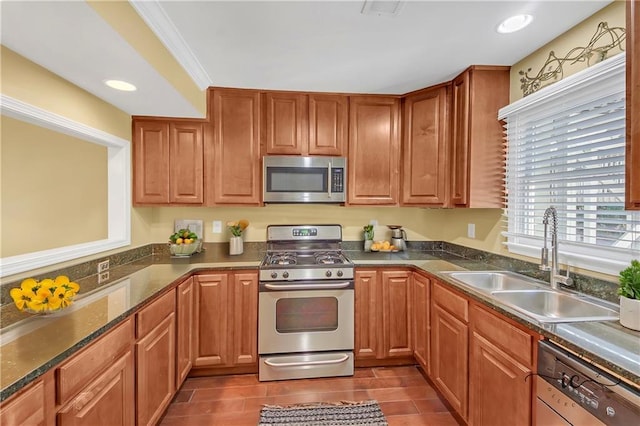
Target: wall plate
{"type": "Point", "coordinates": [193, 225]}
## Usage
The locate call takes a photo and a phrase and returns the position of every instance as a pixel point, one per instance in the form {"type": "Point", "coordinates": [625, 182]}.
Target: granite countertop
{"type": "Point", "coordinates": [30, 347]}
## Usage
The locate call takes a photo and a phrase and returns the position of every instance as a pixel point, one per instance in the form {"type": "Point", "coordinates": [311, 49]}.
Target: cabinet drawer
{"type": "Point", "coordinates": [517, 343]}
{"type": "Point", "coordinates": [149, 317]}
{"type": "Point", "coordinates": [454, 303]}
{"type": "Point", "coordinates": [74, 374]}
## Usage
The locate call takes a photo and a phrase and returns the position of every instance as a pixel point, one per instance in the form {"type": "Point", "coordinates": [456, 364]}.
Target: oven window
{"type": "Point", "coordinates": [295, 179]}
{"type": "Point", "coordinates": [296, 315]}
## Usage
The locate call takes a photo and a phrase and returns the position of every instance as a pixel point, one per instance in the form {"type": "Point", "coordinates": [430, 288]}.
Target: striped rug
{"type": "Point", "coordinates": [324, 414]}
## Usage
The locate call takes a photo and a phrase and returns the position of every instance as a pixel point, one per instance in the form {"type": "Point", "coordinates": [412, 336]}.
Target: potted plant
{"type": "Point", "coordinates": [629, 292]}
{"type": "Point", "coordinates": [235, 242]}
{"type": "Point", "coordinates": [368, 237]}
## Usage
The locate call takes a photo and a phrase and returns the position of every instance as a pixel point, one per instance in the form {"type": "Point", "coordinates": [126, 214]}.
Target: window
{"type": "Point", "coordinates": [566, 148]}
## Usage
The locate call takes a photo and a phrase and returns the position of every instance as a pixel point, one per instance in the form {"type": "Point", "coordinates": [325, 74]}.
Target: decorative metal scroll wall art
{"type": "Point", "coordinates": [552, 70]}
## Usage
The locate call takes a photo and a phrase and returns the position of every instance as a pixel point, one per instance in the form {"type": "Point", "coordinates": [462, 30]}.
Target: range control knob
{"type": "Point", "coordinates": [340, 273]}
{"type": "Point", "coordinates": [328, 273]}
{"type": "Point", "coordinates": [274, 275]}
{"type": "Point", "coordinates": [285, 274]}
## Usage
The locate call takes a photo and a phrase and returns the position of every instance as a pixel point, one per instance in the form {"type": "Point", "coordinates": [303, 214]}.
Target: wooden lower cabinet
{"type": "Point", "coordinates": [383, 314]}
{"type": "Point", "coordinates": [226, 321]}
{"type": "Point", "coordinates": [106, 400]}
{"type": "Point", "coordinates": [155, 359]}
{"type": "Point", "coordinates": [185, 299]}
{"type": "Point", "coordinates": [33, 406]}
{"type": "Point", "coordinates": [420, 294]}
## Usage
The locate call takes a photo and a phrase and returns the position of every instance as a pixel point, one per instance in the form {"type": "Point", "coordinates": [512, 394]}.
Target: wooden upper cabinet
{"type": "Point", "coordinates": [168, 162]}
{"type": "Point", "coordinates": [477, 137]}
{"type": "Point", "coordinates": [374, 147]}
{"type": "Point", "coordinates": [287, 123]}
{"type": "Point", "coordinates": [328, 124]}
{"type": "Point", "coordinates": [632, 160]}
{"type": "Point", "coordinates": [425, 148]}
{"type": "Point", "coordinates": [306, 124]}
{"type": "Point", "coordinates": [150, 162]}
{"type": "Point", "coordinates": [232, 155]}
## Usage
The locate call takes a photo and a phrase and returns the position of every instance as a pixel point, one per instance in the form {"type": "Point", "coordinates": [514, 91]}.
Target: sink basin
{"type": "Point", "coordinates": [553, 306]}
{"type": "Point", "coordinates": [489, 281]}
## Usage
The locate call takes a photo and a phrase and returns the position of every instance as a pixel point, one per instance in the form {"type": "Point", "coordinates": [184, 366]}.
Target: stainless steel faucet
{"type": "Point", "coordinates": [555, 276]}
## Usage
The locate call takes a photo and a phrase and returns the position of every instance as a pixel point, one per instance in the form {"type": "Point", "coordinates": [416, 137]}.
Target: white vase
{"type": "Point", "coordinates": [235, 245]}
{"type": "Point", "coordinates": [630, 313]}
{"type": "Point", "coordinates": [367, 245]}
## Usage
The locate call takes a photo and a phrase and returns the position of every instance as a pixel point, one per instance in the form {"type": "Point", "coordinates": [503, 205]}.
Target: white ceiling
{"type": "Point", "coordinates": [290, 45]}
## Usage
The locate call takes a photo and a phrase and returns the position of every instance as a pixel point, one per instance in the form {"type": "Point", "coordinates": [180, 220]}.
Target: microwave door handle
{"type": "Point", "coordinates": [329, 179]}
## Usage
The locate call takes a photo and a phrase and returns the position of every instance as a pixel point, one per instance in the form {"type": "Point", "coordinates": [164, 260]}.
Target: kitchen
{"type": "Point", "coordinates": [150, 224]}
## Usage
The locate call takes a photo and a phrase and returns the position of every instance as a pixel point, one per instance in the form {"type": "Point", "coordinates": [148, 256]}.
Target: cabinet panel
{"type": "Point", "coordinates": [287, 123]}
{"type": "Point", "coordinates": [233, 158]}
{"type": "Point", "coordinates": [150, 162]}
{"type": "Point", "coordinates": [374, 146]}
{"type": "Point", "coordinates": [368, 319]}
{"type": "Point", "coordinates": [328, 124]}
{"type": "Point", "coordinates": [424, 148]}
{"type": "Point", "coordinates": [211, 320]}
{"type": "Point", "coordinates": [632, 161]}
{"type": "Point", "coordinates": [186, 163]}
{"type": "Point", "coordinates": [449, 349]}
{"type": "Point", "coordinates": [155, 371]}
{"type": "Point", "coordinates": [245, 319]}
{"type": "Point", "coordinates": [184, 330]}
{"type": "Point", "coordinates": [33, 406]}
{"type": "Point", "coordinates": [396, 296]}
{"type": "Point", "coordinates": [500, 390]}
{"type": "Point", "coordinates": [107, 400]}
{"type": "Point", "coordinates": [421, 320]}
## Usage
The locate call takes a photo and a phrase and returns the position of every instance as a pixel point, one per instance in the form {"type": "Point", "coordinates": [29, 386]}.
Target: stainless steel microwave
{"type": "Point", "coordinates": [292, 179]}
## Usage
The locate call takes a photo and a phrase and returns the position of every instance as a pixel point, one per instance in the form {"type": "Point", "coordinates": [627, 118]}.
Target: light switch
{"type": "Point", "coordinates": [217, 226]}
{"type": "Point", "coordinates": [471, 230]}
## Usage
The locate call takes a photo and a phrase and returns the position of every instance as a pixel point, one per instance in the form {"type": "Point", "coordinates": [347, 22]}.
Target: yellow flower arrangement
{"type": "Point", "coordinates": [44, 296]}
{"type": "Point", "coordinates": [237, 227]}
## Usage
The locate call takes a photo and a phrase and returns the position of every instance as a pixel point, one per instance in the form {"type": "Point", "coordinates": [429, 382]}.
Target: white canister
{"type": "Point", "coordinates": [235, 245]}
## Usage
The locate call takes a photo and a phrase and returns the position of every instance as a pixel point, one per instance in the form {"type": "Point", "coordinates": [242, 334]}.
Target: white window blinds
{"type": "Point", "coordinates": [566, 148]}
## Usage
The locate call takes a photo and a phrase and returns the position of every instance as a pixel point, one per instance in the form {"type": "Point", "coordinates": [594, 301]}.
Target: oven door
{"type": "Point", "coordinates": [309, 318]}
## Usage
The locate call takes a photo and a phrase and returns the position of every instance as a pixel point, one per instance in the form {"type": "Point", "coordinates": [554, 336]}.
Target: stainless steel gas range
{"type": "Point", "coordinates": [306, 304]}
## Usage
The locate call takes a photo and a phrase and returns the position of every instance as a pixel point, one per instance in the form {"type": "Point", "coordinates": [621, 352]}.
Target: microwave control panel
{"type": "Point", "coordinates": [337, 180]}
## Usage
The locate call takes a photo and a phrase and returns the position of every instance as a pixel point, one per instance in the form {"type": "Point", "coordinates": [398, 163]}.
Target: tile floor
{"type": "Point", "coordinates": [404, 395]}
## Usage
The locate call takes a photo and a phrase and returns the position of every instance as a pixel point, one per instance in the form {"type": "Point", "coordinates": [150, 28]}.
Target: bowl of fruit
{"type": "Point", "coordinates": [184, 243]}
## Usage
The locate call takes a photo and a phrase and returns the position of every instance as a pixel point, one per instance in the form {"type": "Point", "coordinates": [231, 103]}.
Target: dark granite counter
{"type": "Point", "coordinates": [31, 346]}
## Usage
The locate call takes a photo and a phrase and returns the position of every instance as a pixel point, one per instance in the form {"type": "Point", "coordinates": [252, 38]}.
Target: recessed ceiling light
{"type": "Point", "coordinates": [382, 7]}
{"type": "Point", "coordinates": [514, 23]}
{"type": "Point", "coordinates": [120, 85]}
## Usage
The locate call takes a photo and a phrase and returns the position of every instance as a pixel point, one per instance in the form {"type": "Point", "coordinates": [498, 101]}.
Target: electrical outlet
{"type": "Point", "coordinates": [217, 226]}
{"type": "Point", "coordinates": [103, 266]}
{"type": "Point", "coordinates": [373, 222]}
{"type": "Point", "coordinates": [471, 230]}
{"type": "Point", "coordinates": [104, 276]}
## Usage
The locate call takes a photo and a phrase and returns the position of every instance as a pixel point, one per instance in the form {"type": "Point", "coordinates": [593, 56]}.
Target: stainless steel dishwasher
{"type": "Point", "coordinates": [572, 391]}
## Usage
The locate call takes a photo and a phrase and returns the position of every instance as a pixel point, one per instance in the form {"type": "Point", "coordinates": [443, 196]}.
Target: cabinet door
{"type": "Point", "coordinates": [632, 162]}
{"type": "Point", "coordinates": [107, 400]}
{"type": "Point", "coordinates": [34, 406]}
{"type": "Point", "coordinates": [328, 124]}
{"type": "Point", "coordinates": [186, 163]}
{"type": "Point", "coordinates": [368, 324]}
{"type": "Point", "coordinates": [233, 165]}
{"type": "Point", "coordinates": [150, 162]}
{"type": "Point", "coordinates": [499, 391]}
{"type": "Point", "coordinates": [460, 141]}
{"type": "Point", "coordinates": [184, 330]}
{"type": "Point", "coordinates": [421, 320]}
{"type": "Point", "coordinates": [155, 371]}
{"type": "Point", "coordinates": [449, 348]}
{"type": "Point", "coordinates": [396, 296]}
{"type": "Point", "coordinates": [287, 123]}
{"type": "Point", "coordinates": [374, 146]}
{"type": "Point", "coordinates": [211, 320]}
{"type": "Point", "coordinates": [425, 144]}
{"type": "Point", "coordinates": [245, 319]}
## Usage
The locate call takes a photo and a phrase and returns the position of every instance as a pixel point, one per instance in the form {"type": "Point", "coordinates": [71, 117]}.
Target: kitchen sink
{"type": "Point", "coordinates": [533, 297]}
{"type": "Point", "coordinates": [554, 306]}
{"type": "Point", "coordinates": [489, 281]}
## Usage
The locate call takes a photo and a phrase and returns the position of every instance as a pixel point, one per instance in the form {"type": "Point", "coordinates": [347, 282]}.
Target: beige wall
{"type": "Point", "coordinates": [578, 36]}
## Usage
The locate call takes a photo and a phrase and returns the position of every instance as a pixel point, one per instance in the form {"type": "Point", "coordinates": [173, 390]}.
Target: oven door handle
{"type": "Point", "coordinates": [285, 287]}
{"type": "Point", "coordinates": [340, 360]}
